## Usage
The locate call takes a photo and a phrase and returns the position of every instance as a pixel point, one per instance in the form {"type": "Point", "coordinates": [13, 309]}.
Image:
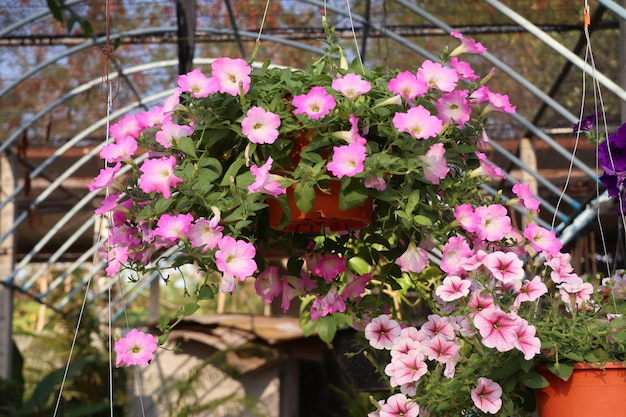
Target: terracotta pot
{"type": "Point", "coordinates": [592, 390]}
{"type": "Point", "coordinates": [325, 214]}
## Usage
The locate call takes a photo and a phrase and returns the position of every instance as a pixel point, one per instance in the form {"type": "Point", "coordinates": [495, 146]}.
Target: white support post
{"type": "Point", "coordinates": [7, 253]}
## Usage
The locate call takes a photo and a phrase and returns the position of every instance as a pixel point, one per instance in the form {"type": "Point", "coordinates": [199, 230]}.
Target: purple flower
{"type": "Point", "coordinates": [587, 124]}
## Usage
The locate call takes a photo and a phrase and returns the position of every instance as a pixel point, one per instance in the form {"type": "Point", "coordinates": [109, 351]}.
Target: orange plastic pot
{"type": "Point", "coordinates": [325, 214]}
{"type": "Point", "coordinates": [592, 390]}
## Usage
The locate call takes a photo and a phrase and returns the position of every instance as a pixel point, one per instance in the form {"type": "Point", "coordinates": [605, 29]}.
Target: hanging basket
{"type": "Point", "coordinates": [592, 390]}
{"type": "Point", "coordinates": [325, 214]}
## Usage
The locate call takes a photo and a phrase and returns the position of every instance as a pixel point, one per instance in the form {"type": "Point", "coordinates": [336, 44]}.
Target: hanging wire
{"type": "Point", "coordinates": [356, 43]}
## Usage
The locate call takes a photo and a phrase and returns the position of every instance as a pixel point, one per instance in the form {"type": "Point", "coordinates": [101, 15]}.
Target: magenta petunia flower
{"type": "Point", "coordinates": [136, 348]}
{"type": "Point", "coordinates": [455, 252]}
{"type": "Point", "coordinates": [155, 117]}
{"type": "Point", "coordinates": [487, 395]}
{"type": "Point", "coordinates": [437, 76]}
{"type": "Point", "coordinates": [330, 266]}
{"type": "Point", "coordinates": [158, 175]}
{"type": "Point", "coordinates": [172, 227]}
{"type": "Point", "coordinates": [260, 126]}
{"type": "Point", "coordinates": [441, 349]}
{"type": "Point", "coordinates": [467, 45]}
{"type": "Point", "coordinates": [232, 75]}
{"type": "Point", "coordinates": [382, 331]}
{"type": "Point", "coordinates": [105, 178]}
{"type": "Point", "coordinates": [198, 84]}
{"type": "Point", "coordinates": [126, 126]}
{"type": "Point", "coordinates": [407, 85]}
{"type": "Point", "coordinates": [315, 104]}
{"type": "Point", "coordinates": [437, 325]}
{"type": "Point", "coordinates": [434, 164]}
{"type": "Point", "coordinates": [347, 160]}
{"type": "Point", "coordinates": [418, 122]}
{"type": "Point", "coordinates": [235, 258]}
{"type": "Point", "coordinates": [116, 257]}
{"type": "Point", "coordinates": [170, 134]}
{"type": "Point", "coordinates": [121, 149]}
{"type": "Point", "coordinates": [407, 367]}
{"type": "Point", "coordinates": [351, 85]}
{"type": "Point", "coordinates": [330, 303]}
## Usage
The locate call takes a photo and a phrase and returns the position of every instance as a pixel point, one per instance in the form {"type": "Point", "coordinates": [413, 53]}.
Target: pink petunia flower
{"type": "Point", "coordinates": [453, 287]}
{"type": "Point", "coordinates": [438, 76]}
{"type": "Point", "coordinates": [438, 325]}
{"type": "Point", "coordinates": [406, 368]}
{"type": "Point", "coordinates": [498, 102]}
{"type": "Point", "coordinates": [398, 405]}
{"type": "Point", "coordinates": [353, 134]}
{"type": "Point", "coordinates": [198, 84]}
{"type": "Point", "coordinates": [158, 175]}
{"type": "Point", "coordinates": [375, 182]}
{"type": "Point", "coordinates": [453, 108]}
{"type": "Point", "coordinates": [235, 257]}
{"type": "Point", "coordinates": [155, 117]}
{"type": "Point", "coordinates": [116, 257]}
{"type": "Point", "coordinates": [414, 259]}
{"type": "Point", "coordinates": [355, 287]}
{"type": "Point", "coordinates": [126, 126]}
{"type": "Point", "coordinates": [487, 395]}
{"type": "Point", "coordinates": [260, 126]}
{"type": "Point", "coordinates": [522, 191]}
{"type": "Point", "coordinates": [170, 134]}
{"type": "Point", "coordinates": [531, 291]}
{"type": "Point", "coordinates": [315, 104]}
{"type": "Point", "coordinates": [205, 233]}
{"type": "Point", "coordinates": [494, 222]}
{"type": "Point", "coordinates": [268, 284]}
{"type": "Point", "coordinates": [487, 168]}
{"type": "Point", "coordinates": [347, 160]}
{"type": "Point", "coordinates": [330, 303]}
{"type": "Point", "coordinates": [504, 266]}
{"type": "Point", "coordinates": [232, 75]}
{"type": "Point", "coordinates": [435, 165]}
{"type": "Point", "coordinates": [542, 239]}
{"type": "Point", "coordinates": [382, 331]}
{"type": "Point", "coordinates": [330, 266]}
{"type": "Point", "coordinates": [441, 349]}
{"type": "Point", "coordinates": [351, 85]}
{"type": "Point", "coordinates": [455, 252]}
{"type": "Point", "coordinates": [264, 181]}
{"type": "Point", "coordinates": [136, 348]}
{"type": "Point", "coordinates": [497, 328]}
{"type": "Point", "coordinates": [407, 85]}
{"type": "Point", "coordinates": [418, 122]}
{"type": "Point", "coordinates": [465, 216]}
{"type": "Point", "coordinates": [464, 69]}
{"type": "Point", "coordinates": [526, 341]}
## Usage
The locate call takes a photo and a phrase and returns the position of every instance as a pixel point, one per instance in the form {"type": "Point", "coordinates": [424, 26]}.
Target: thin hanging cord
{"type": "Point", "coordinates": [356, 43]}
{"type": "Point", "coordinates": [257, 44]}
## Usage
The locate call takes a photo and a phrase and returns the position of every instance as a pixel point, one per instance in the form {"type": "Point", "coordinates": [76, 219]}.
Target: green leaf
{"type": "Point", "coordinates": [206, 293]}
{"type": "Point", "coordinates": [534, 380]}
{"type": "Point", "coordinates": [162, 204]}
{"type": "Point", "coordinates": [351, 196]}
{"type": "Point", "coordinates": [55, 9]}
{"type": "Point", "coordinates": [327, 327]}
{"type": "Point", "coordinates": [304, 196]}
{"type": "Point", "coordinates": [359, 265]}
{"type": "Point", "coordinates": [188, 146]}
{"type": "Point", "coordinates": [232, 172]}
{"type": "Point", "coordinates": [189, 308]}
{"type": "Point", "coordinates": [562, 369]}
{"type": "Point", "coordinates": [421, 220]}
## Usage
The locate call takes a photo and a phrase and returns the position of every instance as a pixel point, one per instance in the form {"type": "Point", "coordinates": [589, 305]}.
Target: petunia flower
{"type": "Point", "coordinates": [438, 76]}
{"type": "Point", "coordinates": [418, 122]}
{"type": "Point", "coordinates": [487, 395]}
{"type": "Point", "coordinates": [198, 84]}
{"type": "Point", "coordinates": [232, 75]}
{"type": "Point", "coordinates": [351, 85]}
{"type": "Point", "coordinates": [136, 348]}
{"type": "Point", "coordinates": [382, 331]}
{"type": "Point", "coordinates": [264, 181]}
{"type": "Point", "coordinates": [235, 257]}
{"type": "Point", "coordinates": [435, 166]}
{"type": "Point", "coordinates": [260, 126]}
{"type": "Point", "coordinates": [315, 104]}
{"type": "Point", "coordinates": [347, 160]}
{"type": "Point", "coordinates": [407, 85]}
{"type": "Point", "coordinates": [158, 175]}
{"type": "Point", "coordinates": [170, 134]}
{"type": "Point", "coordinates": [467, 45]}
